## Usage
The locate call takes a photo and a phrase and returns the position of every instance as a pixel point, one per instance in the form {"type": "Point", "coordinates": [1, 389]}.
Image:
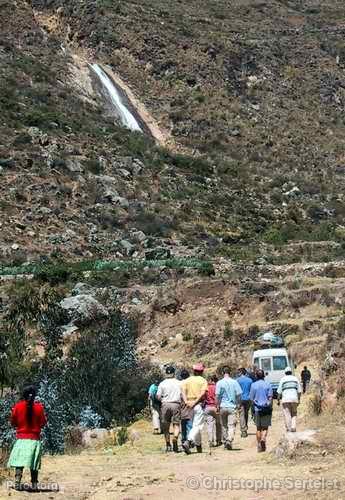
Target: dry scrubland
{"type": "Point", "coordinates": [251, 92]}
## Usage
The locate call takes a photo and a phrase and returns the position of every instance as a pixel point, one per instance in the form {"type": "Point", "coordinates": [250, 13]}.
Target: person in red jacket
{"type": "Point", "coordinates": [28, 418]}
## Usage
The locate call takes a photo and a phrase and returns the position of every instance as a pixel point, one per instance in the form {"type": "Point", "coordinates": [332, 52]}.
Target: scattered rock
{"type": "Point", "coordinates": [128, 247]}
{"type": "Point", "coordinates": [109, 191]}
{"type": "Point", "coordinates": [83, 309]}
{"type": "Point", "coordinates": [120, 201]}
{"type": "Point", "coordinates": [124, 173]}
{"type": "Point", "coordinates": [74, 166]}
{"type": "Point", "coordinates": [138, 236]}
{"type": "Point", "coordinates": [82, 289]}
{"type": "Point", "coordinates": [68, 330]}
{"type": "Point", "coordinates": [295, 191]}
{"type": "Point", "coordinates": [44, 211]}
{"type": "Point", "coordinates": [179, 338]}
{"type": "Point", "coordinates": [137, 167]}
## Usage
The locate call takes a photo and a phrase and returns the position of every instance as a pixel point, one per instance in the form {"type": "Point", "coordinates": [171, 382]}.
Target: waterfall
{"type": "Point", "coordinates": [126, 117]}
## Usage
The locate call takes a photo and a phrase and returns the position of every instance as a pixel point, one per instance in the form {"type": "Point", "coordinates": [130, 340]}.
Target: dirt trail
{"type": "Point", "coordinates": [141, 469]}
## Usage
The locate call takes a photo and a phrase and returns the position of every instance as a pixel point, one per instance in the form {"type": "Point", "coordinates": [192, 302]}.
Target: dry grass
{"type": "Point", "coordinates": [331, 424]}
{"type": "Point", "coordinates": [4, 455]}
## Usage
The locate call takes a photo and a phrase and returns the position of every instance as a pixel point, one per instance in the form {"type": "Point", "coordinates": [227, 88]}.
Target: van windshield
{"type": "Point", "coordinates": [279, 363]}
{"type": "Point", "coordinates": [266, 364]}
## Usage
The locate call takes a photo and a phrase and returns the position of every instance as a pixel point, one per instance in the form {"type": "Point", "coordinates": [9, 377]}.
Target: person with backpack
{"type": "Point", "coordinates": [228, 396]}
{"type": "Point", "coordinates": [261, 395]}
{"type": "Point", "coordinates": [245, 383]}
{"type": "Point", "coordinates": [154, 406]}
{"type": "Point", "coordinates": [28, 418]}
{"type": "Point", "coordinates": [170, 395]}
{"type": "Point", "coordinates": [289, 393]}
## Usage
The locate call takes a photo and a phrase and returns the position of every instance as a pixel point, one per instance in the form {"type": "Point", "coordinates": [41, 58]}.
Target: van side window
{"type": "Point", "coordinates": [266, 364]}
{"type": "Point", "coordinates": [279, 363]}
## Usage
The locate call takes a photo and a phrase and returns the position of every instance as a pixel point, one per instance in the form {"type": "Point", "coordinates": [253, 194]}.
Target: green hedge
{"type": "Point", "coordinates": [67, 268]}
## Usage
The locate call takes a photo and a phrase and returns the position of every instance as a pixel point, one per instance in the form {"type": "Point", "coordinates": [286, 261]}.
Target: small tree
{"type": "Point", "coordinates": [57, 415]}
{"type": "Point", "coordinates": [98, 364]}
{"type": "Point", "coordinates": [7, 433]}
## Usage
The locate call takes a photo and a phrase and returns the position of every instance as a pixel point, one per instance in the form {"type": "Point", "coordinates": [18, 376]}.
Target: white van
{"type": "Point", "coordinates": [273, 362]}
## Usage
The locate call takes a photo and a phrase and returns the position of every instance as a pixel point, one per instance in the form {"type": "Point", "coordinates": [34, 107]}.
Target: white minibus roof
{"type": "Point", "coordinates": [262, 353]}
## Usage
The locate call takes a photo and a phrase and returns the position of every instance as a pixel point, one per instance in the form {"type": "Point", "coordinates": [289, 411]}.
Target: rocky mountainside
{"type": "Point", "coordinates": [251, 94]}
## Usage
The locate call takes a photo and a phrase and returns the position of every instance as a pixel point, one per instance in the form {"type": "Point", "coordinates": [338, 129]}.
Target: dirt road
{"type": "Point", "coordinates": [141, 469]}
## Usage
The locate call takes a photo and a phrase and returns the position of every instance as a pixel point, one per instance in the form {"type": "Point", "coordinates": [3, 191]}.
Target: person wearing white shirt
{"type": "Point", "coordinates": [289, 392]}
{"type": "Point", "coordinates": [169, 393]}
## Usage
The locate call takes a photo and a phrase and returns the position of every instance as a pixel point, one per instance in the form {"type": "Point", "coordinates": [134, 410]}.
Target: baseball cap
{"type": "Point", "coordinates": [170, 370]}
{"type": "Point", "coordinates": [288, 369]}
{"type": "Point", "coordinates": [198, 367]}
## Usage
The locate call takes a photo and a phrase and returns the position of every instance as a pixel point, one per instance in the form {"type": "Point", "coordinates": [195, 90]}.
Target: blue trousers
{"type": "Point", "coordinates": [186, 425]}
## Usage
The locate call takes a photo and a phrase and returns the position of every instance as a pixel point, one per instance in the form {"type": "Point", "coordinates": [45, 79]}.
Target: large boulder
{"type": "Point", "coordinates": [127, 247]}
{"type": "Point", "coordinates": [108, 188]}
{"type": "Point", "coordinates": [288, 445]}
{"type": "Point", "coordinates": [83, 309]}
{"type": "Point", "coordinates": [95, 437]}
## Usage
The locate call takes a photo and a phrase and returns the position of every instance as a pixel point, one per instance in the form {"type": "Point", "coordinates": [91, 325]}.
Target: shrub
{"type": "Point", "coordinates": [53, 275]}
{"type": "Point", "coordinates": [122, 436]}
{"type": "Point", "coordinates": [53, 435]}
{"type": "Point", "coordinates": [186, 336]}
{"type": "Point", "coordinates": [73, 439]}
{"type": "Point", "coordinates": [315, 404]}
{"type": "Point", "coordinates": [253, 331]}
{"type": "Point", "coordinates": [119, 278]}
{"type": "Point", "coordinates": [22, 139]}
{"type": "Point", "coordinates": [153, 224]}
{"type": "Point", "coordinates": [206, 269]}
{"type": "Point", "coordinates": [93, 166]}
{"type": "Point", "coordinates": [106, 357]}
{"type": "Point", "coordinates": [274, 236]}
{"type": "Point", "coordinates": [228, 331]}
{"type": "Point", "coordinates": [43, 117]}
{"type": "Point", "coordinates": [7, 433]}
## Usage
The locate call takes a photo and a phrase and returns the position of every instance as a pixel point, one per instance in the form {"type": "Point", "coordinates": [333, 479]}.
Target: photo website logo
{"type": "Point", "coordinates": [215, 483]}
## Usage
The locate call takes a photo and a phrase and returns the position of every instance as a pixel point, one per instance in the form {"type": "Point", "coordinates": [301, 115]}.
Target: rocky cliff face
{"type": "Point", "coordinates": [255, 88]}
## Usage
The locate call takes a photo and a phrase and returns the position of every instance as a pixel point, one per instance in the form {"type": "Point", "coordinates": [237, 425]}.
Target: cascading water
{"type": "Point", "coordinates": [126, 117]}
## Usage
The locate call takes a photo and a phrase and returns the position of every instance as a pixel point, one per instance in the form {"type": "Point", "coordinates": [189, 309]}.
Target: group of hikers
{"type": "Point", "coordinates": [188, 402]}
{"type": "Point", "coordinates": [185, 403]}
